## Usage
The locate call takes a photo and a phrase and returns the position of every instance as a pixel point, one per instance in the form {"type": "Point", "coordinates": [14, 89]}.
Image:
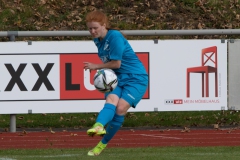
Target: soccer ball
{"type": "Point", "coordinates": [105, 80]}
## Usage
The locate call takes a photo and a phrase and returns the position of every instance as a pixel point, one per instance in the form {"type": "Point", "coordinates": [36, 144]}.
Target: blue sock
{"type": "Point", "coordinates": [112, 128]}
{"type": "Point", "coordinates": [106, 114]}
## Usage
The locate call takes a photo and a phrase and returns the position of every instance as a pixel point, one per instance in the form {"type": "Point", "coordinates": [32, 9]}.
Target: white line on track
{"type": "Point", "coordinates": [156, 136]}
{"type": "Point", "coordinates": [53, 156]}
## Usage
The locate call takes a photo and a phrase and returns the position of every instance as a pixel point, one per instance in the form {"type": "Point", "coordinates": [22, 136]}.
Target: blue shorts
{"type": "Point", "coordinates": [131, 88]}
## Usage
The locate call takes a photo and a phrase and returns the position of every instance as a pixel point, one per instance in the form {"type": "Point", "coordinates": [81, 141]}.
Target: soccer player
{"type": "Point", "coordinates": [116, 54]}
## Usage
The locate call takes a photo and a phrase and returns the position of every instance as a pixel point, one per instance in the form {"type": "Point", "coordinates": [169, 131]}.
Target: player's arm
{"type": "Point", "coordinates": [113, 64]}
{"type": "Point", "coordinates": [116, 52]}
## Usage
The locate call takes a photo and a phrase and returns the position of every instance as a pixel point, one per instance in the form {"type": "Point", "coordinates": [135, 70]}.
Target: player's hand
{"type": "Point", "coordinates": [90, 66]}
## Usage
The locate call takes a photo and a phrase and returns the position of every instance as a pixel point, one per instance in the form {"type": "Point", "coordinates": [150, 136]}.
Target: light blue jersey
{"type": "Point", "coordinates": [114, 46]}
{"type": "Point", "coordinates": [132, 75]}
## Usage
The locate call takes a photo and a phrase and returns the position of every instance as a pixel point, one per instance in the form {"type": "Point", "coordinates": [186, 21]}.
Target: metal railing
{"type": "Point", "coordinates": [126, 32]}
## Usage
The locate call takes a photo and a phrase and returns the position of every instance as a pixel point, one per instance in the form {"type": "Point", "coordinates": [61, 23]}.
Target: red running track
{"type": "Point", "coordinates": [124, 138]}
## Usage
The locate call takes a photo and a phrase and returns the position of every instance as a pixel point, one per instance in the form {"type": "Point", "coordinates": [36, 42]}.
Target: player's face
{"type": "Point", "coordinates": [96, 29]}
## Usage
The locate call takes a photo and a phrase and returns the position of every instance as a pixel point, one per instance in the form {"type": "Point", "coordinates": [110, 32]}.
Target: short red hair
{"type": "Point", "coordinates": [97, 16]}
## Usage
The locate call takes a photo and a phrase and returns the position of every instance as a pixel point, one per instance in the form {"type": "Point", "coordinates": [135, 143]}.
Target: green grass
{"type": "Point", "coordinates": [34, 14]}
{"type": "Point", "coordinates": [136, 119]}
{"type": "Point", "coordinates": [160, 153]}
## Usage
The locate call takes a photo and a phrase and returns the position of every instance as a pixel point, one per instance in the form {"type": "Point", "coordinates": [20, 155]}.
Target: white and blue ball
{"type": "Point", "coordinates": [105, 80]}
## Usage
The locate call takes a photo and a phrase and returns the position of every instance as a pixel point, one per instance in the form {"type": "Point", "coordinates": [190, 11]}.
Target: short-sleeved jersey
{"type": "Point", "coordinates": [114, 46]}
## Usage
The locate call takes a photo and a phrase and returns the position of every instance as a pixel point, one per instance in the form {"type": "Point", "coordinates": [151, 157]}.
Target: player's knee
{"type": "Point", "coordinates": [121, 111]}
{"type": "Point", "coordinates": [113, 99]}
{"type": "Point", "coordinates": [122, 108]}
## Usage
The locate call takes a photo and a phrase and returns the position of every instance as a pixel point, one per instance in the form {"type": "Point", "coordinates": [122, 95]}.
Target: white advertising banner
{"type": "Point", "coordinates": [48, 77]}
{"type": "Point", "coordinates": [189, 75]}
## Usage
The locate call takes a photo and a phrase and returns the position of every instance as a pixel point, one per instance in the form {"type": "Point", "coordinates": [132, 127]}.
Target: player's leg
{"type": "Point", "coordinates": [112, 127]}
{"type": "Point", "coordinates": [106, 114]}
{"type": "Point", "coordinates": [131, 95]}
{"type": "Point", "coordinates": [117, 120]}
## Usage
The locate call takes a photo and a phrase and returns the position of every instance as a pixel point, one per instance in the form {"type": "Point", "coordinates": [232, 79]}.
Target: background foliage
{"type": "Point", "coordinates": [51, 15]}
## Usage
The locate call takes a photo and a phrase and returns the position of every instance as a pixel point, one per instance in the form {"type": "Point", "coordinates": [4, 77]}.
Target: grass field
{"type": "Point", "coordinates": [158, 153]}
{"type": "Point", "coordinates": [144, 119]}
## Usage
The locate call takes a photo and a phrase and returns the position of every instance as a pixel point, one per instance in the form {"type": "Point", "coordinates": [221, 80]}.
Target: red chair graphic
{"type": "Point", "coordinates": [209, 55]}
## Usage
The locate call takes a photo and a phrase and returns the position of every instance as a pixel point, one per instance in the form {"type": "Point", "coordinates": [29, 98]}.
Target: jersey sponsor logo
{"type": "Point", "coordinates": [105, 58]}
{"type": "Point", "coordinates": [106, 46]}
